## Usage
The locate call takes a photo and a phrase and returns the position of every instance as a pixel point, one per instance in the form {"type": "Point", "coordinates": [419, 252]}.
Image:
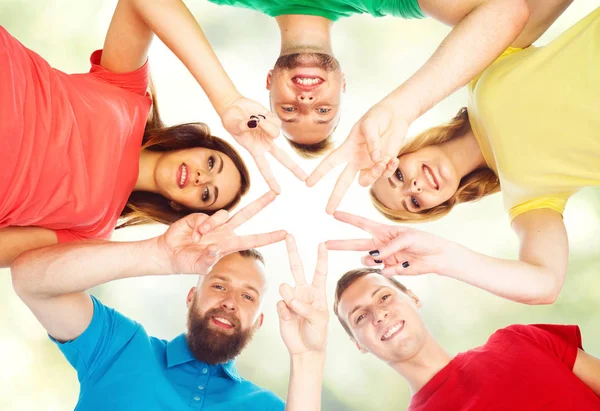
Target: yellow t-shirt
{"type": "Point", "coordinates": [536, 115]}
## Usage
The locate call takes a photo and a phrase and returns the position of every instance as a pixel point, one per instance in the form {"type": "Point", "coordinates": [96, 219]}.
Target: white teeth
{"type": "Point", "coordinates": [223, 320]}
{"type": "Point", "coordinates": [306, 81]}
{"type": "Point", "coordinates": [430, 178]}
{"type": "Point", "coordinates": [391, 331]}
{"type": "Point", "coordinates": [183, 175]}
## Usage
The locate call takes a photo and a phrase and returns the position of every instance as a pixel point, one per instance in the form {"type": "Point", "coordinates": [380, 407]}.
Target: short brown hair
{"type": "Point", "coordinates": [252, 253]}
{"type": "Point", "coordinates": [350, 278]}
{"type": "Point", "coordinates": [315, 150]}
{"type": "Point", "coordinates": [472, 187]}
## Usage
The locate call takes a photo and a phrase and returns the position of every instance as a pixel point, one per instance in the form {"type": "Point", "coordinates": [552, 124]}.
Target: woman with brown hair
{"type": "Point", "coordinates": [531, 132]}
{"type": "Point", "coordinates": [78, 152]}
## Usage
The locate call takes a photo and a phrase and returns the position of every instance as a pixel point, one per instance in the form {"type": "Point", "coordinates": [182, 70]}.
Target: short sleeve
{"type": "Point", "coordinates": [135, 81]}
{"type": "Point", "coordinates": [106, 335]}
{"type": "Point", "coordinates": [554, 203]}
{"type": "Point", "coordinates": [562, 341]}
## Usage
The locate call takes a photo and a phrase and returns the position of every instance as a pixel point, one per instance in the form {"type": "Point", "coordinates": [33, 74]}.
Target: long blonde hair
{"type": "Point", "coordinates": [473, 186]}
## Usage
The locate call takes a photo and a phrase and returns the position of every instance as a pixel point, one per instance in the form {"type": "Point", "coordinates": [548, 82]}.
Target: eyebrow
{"type": "Point", "coordinates": [221, 166]}
{"type": "Point", "coordinates": [228, 280]}
{"type": "Point", "coordinates": [405, 206]}
{"type": "Point", "coordinates": [358, 307]}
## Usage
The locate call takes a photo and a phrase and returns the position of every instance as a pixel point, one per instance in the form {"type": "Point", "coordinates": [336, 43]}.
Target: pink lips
{"type": "Point", "coordinates": [307, 87]}
{"type": "Point", "coordinates": [180, 170]}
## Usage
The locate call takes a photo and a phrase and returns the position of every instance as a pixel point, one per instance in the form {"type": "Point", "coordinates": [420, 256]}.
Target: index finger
{"type": "Point", "coordinates": [267, 173]}
{"type": "Point", "coordinates": [341, 186]}
{"type": "Point", "coordinates": [259, 240]}
{"type": "Point", "coordinates": [288, 162]}
{"type": "Point", "coordinates": [295, 260]}
{"type": "Point", "coordinates": [251, 210]}
{"type": "Point", "coordinates": [357, 221]}
{"type": "Point", "coordinates": [370, 131]}
{"type": "Point", "coordinates": [329, 163]}
{"type": "Point", "coordinates": [270, 127]}
{"type": "Point", "coordinates": [320, 277]}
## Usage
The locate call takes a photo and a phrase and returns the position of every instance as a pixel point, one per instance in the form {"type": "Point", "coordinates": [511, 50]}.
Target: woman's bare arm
{"type": "Point", "coordinates": [17, 240]}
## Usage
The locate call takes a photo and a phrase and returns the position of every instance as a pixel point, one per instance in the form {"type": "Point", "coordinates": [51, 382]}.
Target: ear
{"type": "Point", "coordinates": [360, 348]}
{"type": "Point", "coordinates": [414, 297]}
{"type": "Point", "coordinates": [261, 318]}
{"type": "Point", "coordinates": [269, 80]}
{"type": "Point", "coordinates": [175, 206]}
{"type": "Point", "coordinates": [190, 297]}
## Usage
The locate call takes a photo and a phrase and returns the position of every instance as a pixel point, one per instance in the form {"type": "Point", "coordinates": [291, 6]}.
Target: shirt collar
{"type": "Point", "coordinates": [179, 353]}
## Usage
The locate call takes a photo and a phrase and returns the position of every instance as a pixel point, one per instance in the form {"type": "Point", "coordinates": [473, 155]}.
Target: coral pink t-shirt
{"type": "Point", "coordinates": [521, 367]}
{"type": "Point", "coordinates": [69, 143]}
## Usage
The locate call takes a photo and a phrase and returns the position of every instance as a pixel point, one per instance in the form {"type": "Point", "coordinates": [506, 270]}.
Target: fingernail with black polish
{"type": "Point", "coordinates": [378, 261]}
{"type": "Point", "coordinates": [252, 124]}
{"type": "Point", "coordinates": [405, 264]}
{"type": "Point", "coordinates": [374, 253]}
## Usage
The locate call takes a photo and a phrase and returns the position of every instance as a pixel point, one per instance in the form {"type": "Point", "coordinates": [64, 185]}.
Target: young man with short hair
{"type": "Point", "coordinates": [520, 367]}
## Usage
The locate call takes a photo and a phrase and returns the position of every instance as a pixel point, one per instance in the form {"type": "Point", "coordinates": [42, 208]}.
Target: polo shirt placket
{"type": "Point", "coordinates": [199, 392]}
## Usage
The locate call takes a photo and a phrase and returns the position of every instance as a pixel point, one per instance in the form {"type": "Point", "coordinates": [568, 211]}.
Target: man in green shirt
{"type": "Point", "coordinates": [306, 82]}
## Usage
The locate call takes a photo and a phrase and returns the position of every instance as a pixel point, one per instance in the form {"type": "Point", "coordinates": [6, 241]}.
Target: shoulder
{"type": "Point", "coordinates": [267, 399]}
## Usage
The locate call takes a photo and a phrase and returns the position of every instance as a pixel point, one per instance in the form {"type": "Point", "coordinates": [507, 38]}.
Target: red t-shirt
{"type": "Point", "coordinates": [521, 367]}
{"type": "Point", "coordinates": [69, 144]}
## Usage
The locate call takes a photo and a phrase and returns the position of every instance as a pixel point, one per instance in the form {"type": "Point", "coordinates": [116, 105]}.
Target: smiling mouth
{"type": "Point", "coordinates": [430, 177]}
{"type": "Point", "coordinates": [222, 322]}
{"type": "Point", "coordinates": [307, 83]}
{"type": "Point", "coordinates": [392, 331]}
{"type": "Point", "coordinates": [182, 175]}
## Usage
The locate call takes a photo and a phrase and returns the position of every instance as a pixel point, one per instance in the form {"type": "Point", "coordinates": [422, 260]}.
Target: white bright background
{"type": "Point", "coordinates": [377, 55]}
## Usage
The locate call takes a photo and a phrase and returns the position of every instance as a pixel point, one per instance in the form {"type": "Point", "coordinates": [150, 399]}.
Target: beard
{"type": "Point", "coordinates": [210, 345]}
{"type": "Point", "coordinates": [321, 60]}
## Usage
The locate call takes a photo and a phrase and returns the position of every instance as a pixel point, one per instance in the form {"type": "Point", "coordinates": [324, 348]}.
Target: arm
{"type": "Point", "coordinates": [542, 14]}
{"type": "Point", "coordinates": [303, 320]}
{"type": "Point", "coordinates": [587, 369]}
{"type": "Point", "coordinates": [482, 30]}
{"type": "Point", "coordinates": [537, 277]}
{"type": "Point", "coordinates": [16, 240]}
{"type": "Point", "coordinates": [52, 281]}
{"type": "Point", "coordinates": [130, 34]}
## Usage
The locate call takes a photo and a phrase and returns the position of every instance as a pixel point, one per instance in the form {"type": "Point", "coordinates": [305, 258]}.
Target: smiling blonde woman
{"type": "Point", "coordinates": [532, 131]}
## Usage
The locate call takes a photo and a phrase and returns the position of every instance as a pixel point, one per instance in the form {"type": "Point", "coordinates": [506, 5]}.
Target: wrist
{"type": "Point", "coordinates": [455, 261]}
{"type": "Point", "coordinates": [225, 100]}
{"type": "Point", "coordinates": [154, 252]}
{"type": "Point", "coordinates": [310, 360]}
{"type": "Point", "coordinates": [402, 105]}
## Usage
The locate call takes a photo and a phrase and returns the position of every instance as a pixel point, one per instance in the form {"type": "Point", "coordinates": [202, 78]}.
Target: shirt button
{"type": "Point", "coordinates": [196, 398]}
{"type": "Point", "coordinates": [201, 387]}
{"type": "Point", "coordinates": [204, 370]}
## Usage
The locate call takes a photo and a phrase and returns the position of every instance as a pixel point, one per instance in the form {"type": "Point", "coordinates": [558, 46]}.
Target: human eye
{"type": "Point", "coordinates": [205, 194]}
{"type": "Point", "coordinates": [218, 287]}
{"type": "Point", "coordinates": [323, 110]}
{"type": "Point", "coordinates": [359, 318]}
{"type": "Point", "coordinates": [399, 175]}
{"type": "Point", "coordinates": [211, 162]}
{"type": "Point", "coordinates": [385, 297]}
{"type": "Point", "coordinates": [415, 202]}
{"type": "Point", "coordinates": [288, 109]}
{"type": "Point", "coordinates": [248, 297]}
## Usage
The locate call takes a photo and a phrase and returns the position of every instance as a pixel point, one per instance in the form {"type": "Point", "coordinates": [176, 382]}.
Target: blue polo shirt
{"type": "Point", "coordinates": [120, 367]}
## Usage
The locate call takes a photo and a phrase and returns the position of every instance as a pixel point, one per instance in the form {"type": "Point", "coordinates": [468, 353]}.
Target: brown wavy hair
{"type": "Point", "coordinates": [475, 185]}
{"type": "Point", "coordinates": [144, 207]}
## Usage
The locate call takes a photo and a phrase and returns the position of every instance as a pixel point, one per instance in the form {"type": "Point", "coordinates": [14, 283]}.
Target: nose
{"type": "Point", "coordinates": [201, 178]}
{"type": "Point", "coordinates": [229, 304]}
{"type": "Point", "coordinates": [305, 98]}
{"type": "Point", "coordinates": [415, 186]}
{"type": "Point", "coordinates": [379, 316]}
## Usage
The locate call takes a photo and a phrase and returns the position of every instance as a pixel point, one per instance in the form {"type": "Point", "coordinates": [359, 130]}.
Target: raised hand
{"type": "Point", "coordinates": [194, 243]}
{"type": "Point", "coordinates": [355, 152]}
{"type": "Point", "coordinates": [254, 128]}
{"type": "Point", "coordinates": [402, 250]}
{"type": "Point", "coordinates": [303, 313]}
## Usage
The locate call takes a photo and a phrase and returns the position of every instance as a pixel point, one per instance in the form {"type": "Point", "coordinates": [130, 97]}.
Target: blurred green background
{"type": "Point", "coordinates": [377, 55]}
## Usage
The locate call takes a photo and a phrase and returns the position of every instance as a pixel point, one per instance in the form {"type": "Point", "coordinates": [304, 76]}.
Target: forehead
{"type": "Point", "coordinates": [361, 292]}
{"type": "Point", "coordinates": [239, 271]}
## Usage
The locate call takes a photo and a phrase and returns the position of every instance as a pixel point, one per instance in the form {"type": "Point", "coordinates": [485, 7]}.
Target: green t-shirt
{"type": "Point", "coordinates": [330, 9]}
